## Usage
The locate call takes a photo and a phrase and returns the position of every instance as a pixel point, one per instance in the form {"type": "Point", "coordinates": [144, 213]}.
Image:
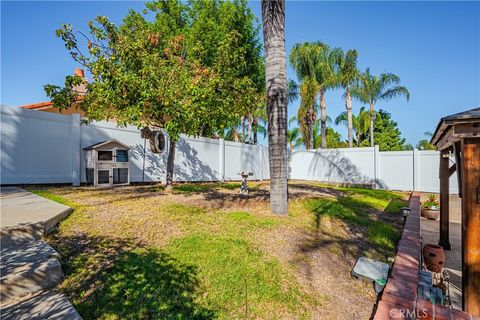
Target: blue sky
{"type": "Point", "coordinates": [433, 46]}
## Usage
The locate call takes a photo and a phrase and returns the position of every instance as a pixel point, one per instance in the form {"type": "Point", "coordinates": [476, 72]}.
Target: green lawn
{"type": "Point", "coordinates": [147, 254]}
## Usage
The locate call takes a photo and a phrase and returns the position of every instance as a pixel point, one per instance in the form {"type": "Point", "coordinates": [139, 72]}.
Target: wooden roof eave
{"type": "Point", "coordinates": [449, 132]}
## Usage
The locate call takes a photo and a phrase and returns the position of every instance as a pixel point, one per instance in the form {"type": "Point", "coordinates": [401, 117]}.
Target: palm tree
{"type": "Point", "coordinates": [360, 123]}
{"type": "Point", "coordinates": [294, 135]}
{"type": "Point", "coordinates": [347, 75]}
{"type": "Point", "coordinates": [372, 89]}
{"type": "Point", "coordinates": [303, 58]}
{"type": "Point", "coordinates": [293, 92]}
{"type": "Point", "coordinates": [326, 78]}
{"type": "Point", "coordinates": [273, 16]}
{"type": "Point", "coordinates": [424, 144]}
{"type": "Point", "coordinates": [314, 64]}
{"type": "Point", "coordinates": [307, 111]}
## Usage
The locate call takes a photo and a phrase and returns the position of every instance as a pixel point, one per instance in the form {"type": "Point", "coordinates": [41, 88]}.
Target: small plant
{"type": "Point", "coordinates": [431, 202]}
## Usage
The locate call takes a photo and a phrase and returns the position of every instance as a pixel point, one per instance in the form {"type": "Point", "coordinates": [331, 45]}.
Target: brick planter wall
{"type": "Point", "coordinates": [399, 298]}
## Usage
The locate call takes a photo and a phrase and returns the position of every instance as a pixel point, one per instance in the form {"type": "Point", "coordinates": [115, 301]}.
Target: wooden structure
{"type": "Point", "coordinates": [458, 136]}
{"type": "Point", "coordinates": [107, 163]}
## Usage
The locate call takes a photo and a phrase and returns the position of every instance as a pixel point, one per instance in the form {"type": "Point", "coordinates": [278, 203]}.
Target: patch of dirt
{"type": "Point", "coordinates": [323, 271]}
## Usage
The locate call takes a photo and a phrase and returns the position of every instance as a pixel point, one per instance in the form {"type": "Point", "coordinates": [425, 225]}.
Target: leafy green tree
{"type": "Point", "coordinates": [273, 15]}
{"type": "Point", "coordinates": [371, 89]}
{"type": "Point", "coordinates": [387, 134]}
{"type": "Point", "coordinates": [347, 76]}
{"type": "Point", "coordinates": [188, 67]}
{"type": "Point", "coordinates": [424, 144]}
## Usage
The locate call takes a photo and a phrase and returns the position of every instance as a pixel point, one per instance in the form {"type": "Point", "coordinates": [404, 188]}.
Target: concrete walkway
{"type": "Point", "coordinates": [21, 208]}
{"type": "Point", "coordinates": [453, 258]}
{"type": "Point", "coordinates": [29, 267]}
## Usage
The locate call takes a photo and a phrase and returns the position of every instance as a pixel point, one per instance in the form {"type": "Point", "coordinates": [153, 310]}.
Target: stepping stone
{"type": "Point", "coordinates": [42, 305]}
{"type": "Point", "coordinates": [26, 269]}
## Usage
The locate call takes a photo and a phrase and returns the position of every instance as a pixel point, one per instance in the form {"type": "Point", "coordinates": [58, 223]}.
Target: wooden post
{"type": "Point", "coordinates": [444, 201]}
{"type": "Point", "coordinates": [471, 225]}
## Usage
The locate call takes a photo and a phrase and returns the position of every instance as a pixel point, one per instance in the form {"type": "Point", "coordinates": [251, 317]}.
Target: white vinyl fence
{"type": "Point", "coordinates": [395, 170]}
{"type": "Point", "coordinates": [42, 147]}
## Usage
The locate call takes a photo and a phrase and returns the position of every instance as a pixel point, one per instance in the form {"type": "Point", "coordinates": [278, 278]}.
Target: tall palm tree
{"type": "Point", "coordinates": [360, 123]}
{"type": "Point", "coordinates": [273, 16]}
{"type": "Point", "coordinates": [315, 65]}
{"type": "Point", "coordinates": [346, 77]}
{"type": "Point", "coordinates": [372, 89]}
{"type": "Point", "coordinates": [303, 59]}
{"type": "Point", "coordinates": [326, 77]}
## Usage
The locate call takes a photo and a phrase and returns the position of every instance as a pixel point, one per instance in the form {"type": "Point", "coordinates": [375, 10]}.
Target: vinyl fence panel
{"type": "Point", "coordinates": [42, 147]}
{"type": "Point", "coordinates": [36, 147]}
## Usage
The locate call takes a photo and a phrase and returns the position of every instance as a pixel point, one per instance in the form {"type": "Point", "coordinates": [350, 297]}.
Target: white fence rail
{"type": "Point", "coordinates": [42, 147]}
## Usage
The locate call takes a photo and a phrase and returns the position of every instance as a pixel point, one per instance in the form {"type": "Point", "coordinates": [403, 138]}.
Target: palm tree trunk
{"type": "Point", "coordinates": [372, 122]}
{"type": "Point", "coordinates": [348, 104]}
{"type": "Point", "coordinates": [310, 120]}
{"type": "Point", "coordinates": [170, 163]}
{"type": "Point", "coordinates": [323, 127]}
{"type": "Point", "coordinates": [273, 15]}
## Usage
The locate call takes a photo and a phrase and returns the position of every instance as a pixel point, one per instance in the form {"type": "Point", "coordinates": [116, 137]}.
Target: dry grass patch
{"type": "Point", "coordinates": [205, 251]}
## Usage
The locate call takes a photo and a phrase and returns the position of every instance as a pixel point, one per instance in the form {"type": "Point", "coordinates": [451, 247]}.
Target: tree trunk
{"type": "Point", "coordinates": [273, 15]}
{"type": "Point", "coordinates": [250, 132]}
{"type": "Point", "coordinates": [243, 129]}
{"type": "Point", "coordinates": [255, 131]}
{"type": "Point", "coordinates": [372, 122]}
{"type": "Point", "coordinates": [309, 122]}
{"type": "Point", "coordinates": [323, 128]}
{"type": "Point", "coordinates": [170, 163]}
{"type": "Point", "coordinates": [348, 105]}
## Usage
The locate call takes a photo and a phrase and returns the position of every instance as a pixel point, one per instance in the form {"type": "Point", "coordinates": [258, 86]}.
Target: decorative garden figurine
{"type": "Point", "coordinates": [244, 188]}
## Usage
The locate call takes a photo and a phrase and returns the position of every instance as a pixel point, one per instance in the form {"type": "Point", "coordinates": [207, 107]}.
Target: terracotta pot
{"type": "Point", "coordinates": [422, 212]}
{"type": "Point", "coordinates": [431, 214]}
{"type": "Point", "coordinates": [433, 257]}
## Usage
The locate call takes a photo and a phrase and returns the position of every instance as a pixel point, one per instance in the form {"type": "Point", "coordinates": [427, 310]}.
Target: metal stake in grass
{"type": "Point", "coordinates": [246, 297]}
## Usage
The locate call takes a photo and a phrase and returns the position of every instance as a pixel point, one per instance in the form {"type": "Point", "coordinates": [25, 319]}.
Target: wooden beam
{"type": "Point", "coordinates": [446, 141]}
{"type": "Point", "coordinates": [467, 130]}
{"type": "Point", "coordinates": [444, 200]}
{"type": "Point", "coordinates": [471, 225]}
{"type": "Point", "coordinates": [458, 162]}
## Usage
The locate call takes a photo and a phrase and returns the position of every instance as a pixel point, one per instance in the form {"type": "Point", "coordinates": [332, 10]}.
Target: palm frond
{"type": "Point", "coordinates": [342, 118]}
{"type": "Point", "coordinates": [394, 92]}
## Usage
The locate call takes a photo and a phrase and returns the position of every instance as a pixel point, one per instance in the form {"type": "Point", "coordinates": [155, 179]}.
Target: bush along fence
{"type": "Point", "coordinates": [42, 147]}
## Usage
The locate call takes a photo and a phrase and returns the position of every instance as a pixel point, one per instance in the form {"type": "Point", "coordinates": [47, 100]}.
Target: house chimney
{"type": "Point", "coordinates": [79, 72]}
